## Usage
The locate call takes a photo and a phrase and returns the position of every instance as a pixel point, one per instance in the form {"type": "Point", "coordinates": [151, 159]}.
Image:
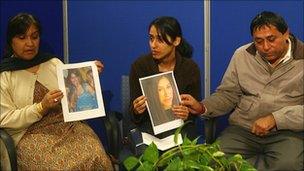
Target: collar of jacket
{"type": "Point", "coordinates": [297, 48]}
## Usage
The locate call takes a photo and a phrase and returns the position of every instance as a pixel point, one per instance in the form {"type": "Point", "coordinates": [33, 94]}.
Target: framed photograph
{"type": "Point", "coordinates": [80, 85]}
{"type": "Point", "coordinates": [162, 93]}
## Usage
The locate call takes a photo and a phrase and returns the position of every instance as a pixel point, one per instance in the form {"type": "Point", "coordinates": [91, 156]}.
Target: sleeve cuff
{"type": "Point", "coordinates": [279, 119]}
{"type": "Point", "coordinates": [39, 109]}
{"type": "Point", "coordinates": [204, 111]}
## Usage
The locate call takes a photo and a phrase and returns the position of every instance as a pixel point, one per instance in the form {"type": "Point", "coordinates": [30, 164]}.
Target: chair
{"type": "Point", "coordinates": [212, 128]}
{"type": "Point", "coordinates": [125, 123]}
{"type": "Point", "coordinates": [106, 127]}
{"type": "Point", "coordinates": [111, 124]}
{"type": "Point", "coordinates": [10, 147]}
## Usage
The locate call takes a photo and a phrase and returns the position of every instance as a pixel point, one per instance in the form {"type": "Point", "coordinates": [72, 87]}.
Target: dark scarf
{"type": "Point", "coordinates": [13, 63]}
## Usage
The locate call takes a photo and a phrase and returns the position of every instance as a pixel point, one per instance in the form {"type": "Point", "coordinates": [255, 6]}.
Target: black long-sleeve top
{"type": "Point", "coordinates": [188, 80]}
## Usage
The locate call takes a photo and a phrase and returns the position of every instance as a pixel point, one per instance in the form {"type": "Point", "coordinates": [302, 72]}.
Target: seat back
{"type": "Point", "coordinates": [102, 126]}
{"type": "Point", "coordinates": [125, 105]}
{"type": "Point", "coordinates": [214, 126]}
{"type": "Point", "coordinates": [125, 94]}
{"type": "Point", "coordinates": [10, 147]}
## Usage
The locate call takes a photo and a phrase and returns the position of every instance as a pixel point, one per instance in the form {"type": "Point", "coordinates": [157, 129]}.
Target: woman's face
{"type": "Point", "coordinates": [74, 79]}
{"type": "Point", "coordinates": [159, 48]}
{"type": "Point", "coordinates": [26, 46]}
{"type": "Point", "coordinates": [165, 93]}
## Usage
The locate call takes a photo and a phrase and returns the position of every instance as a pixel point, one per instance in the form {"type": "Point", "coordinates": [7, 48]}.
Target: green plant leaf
{"type": "Point", "coordinates": [195, 156]}
{"type": "Point", "coordinates": [218, 154]}
{"type": "Point", "coordinates": [204, 159]}
{"type": "Point", "coordinates": [194, 142]}
{"type": "Point", "coordinates": [146, 166]}
{"type": "Point", "coordinates": [186, 141]}
{"type": "Point", "coordinates": [237, 157]}
{"type": "Point", "coordinates": [164, 161]}
{"type": "Point", "coordinates": [130, 162]}
{"type": "Point", "coordinates": [189, 156]}
{"type": "Point", "coordinates": [225, 162]}
{"type": "Point", "coordinates": [205, 168]}
{"type": "Point", "coordinates": [215, 146]}
{"type": "Point", "coordinates": [189, 151]}
{"type": "Point", "coordinates": [151, 153]}
{"type": "Point", "coordinates": [175, 164]}
{"type": "Point", "coordinates": [245, 166]}
{"type": "Point", "coordinates": [191, 164]}
{"type": "Point", "coordinates": [178, 130]}
{"type": "Point", "coordinates": [168, 155]}
{"type": "Point", "coordinates": [238, 163]}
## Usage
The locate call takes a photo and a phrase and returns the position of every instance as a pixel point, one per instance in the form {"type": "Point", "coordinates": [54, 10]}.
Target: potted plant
{"type": "Point", "coordinates": [187, 156]}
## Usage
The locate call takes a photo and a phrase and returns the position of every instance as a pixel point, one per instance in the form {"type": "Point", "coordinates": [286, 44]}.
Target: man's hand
{"type": "Point", "coordinates": [263, 125]}
{"type": "Point", "coordinates": [193, 105]}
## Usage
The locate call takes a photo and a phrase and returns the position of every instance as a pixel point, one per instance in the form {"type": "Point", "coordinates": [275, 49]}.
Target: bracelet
{"type": "Point", "coordinates": [39, 108]}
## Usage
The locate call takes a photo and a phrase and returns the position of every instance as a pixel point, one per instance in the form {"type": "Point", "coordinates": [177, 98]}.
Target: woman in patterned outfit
{"type": "Point", "coordinates": [31, 111]}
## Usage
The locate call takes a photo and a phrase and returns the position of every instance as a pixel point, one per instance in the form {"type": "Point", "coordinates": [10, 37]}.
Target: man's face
{"type": "Point", "coordinates": [270, 43]}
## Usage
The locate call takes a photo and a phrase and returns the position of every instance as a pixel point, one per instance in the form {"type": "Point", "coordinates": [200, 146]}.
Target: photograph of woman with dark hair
{"type": "Point", "coordinates": [165, 92]}
{"type": "Point", "coordinates": [162, 95]}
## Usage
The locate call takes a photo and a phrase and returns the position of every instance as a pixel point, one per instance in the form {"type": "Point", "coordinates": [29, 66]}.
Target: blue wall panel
{"type": "Point", "coordinates": [116, 32]}
{"type": "Point", "coordinates": [48, 12]}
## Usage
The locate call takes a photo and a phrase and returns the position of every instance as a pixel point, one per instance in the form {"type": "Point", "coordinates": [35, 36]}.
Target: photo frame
{"type": "Point", "coordinates": [161, 92]}
{"type": "Point", "coordinates": [82, 95]}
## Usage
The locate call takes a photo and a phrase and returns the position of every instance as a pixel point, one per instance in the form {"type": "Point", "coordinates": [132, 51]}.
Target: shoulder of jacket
{"type": "Point", "coordinates": [142, 60]}
{"type": "Point", "coordinates": [243, 48]}
{"type": "Point", "coordinates": [55, 61]}
{"type": "Point", "coordinates": [189, 62]}
{"type": "Point", "coordinates": [242, 51]}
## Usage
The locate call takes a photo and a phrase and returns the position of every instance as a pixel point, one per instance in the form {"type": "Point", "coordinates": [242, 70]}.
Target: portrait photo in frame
{"type": "Point", "coordinates": [82, 95]}
{"type": "Point", "coordinates": [162, 93]}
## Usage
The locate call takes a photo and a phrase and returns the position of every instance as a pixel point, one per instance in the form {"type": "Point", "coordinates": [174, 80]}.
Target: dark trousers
{"type": "Point", "coordinates": [279, 150]}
